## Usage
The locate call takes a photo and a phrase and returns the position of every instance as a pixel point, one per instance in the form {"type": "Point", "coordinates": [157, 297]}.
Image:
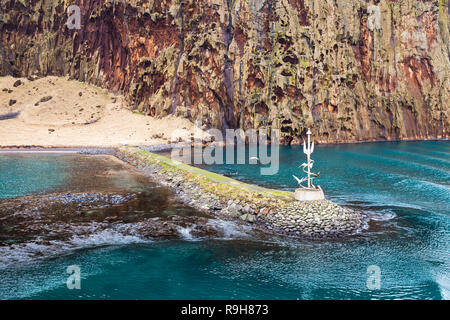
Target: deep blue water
{"type": "Point", "coordinates": [404, 187]}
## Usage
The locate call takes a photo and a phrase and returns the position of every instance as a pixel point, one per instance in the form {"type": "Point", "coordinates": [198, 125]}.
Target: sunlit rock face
{"type": "Point", "coordinates": [352, 70]}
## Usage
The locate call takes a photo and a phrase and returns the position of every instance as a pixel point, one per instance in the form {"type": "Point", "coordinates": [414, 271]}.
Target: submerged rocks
{"type": "Point", "coordinates": [96, 151]}
{"type": "Point", "coordinates": [36, 227]}
{"type": "Point", "coordinates": [62, 216]}
{"type": "Point", "coordinates": [58, 216]}
{"type": "Point", "coordinates": [91, 198]}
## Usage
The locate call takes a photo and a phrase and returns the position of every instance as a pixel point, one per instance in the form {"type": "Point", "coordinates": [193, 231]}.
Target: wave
{"type": "Point", "coordinates": [384, 215]}
{"type": "Point", "coordinates": [105, 237]}
{"type": "Point", "coordinates": [426, 157]}
{"type": "Point", "coordinates": [37, 250]}
{"type": "Point", "coordinates": [223, 230]}
{"type": "Point", "coordinates": [185, 233]}
{"type": "Point", "coordinates": [94, 235]}
{"type": "Point", "coordinates": [385, 164]}
{"type": "Point", "coordinates": [378, 202]}
{"type": "Point", "coordinates": [443, 281]}
{"type": "Point", "coordinates": [425, 186]}
{"type": "Point", "coordinates": [230, 229]}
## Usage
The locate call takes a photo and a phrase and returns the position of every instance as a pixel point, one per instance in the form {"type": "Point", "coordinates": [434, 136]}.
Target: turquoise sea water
{"type": "Point", "coordinates": [404, 187]}
{"type": "Point", "coordinates": [22, 175]}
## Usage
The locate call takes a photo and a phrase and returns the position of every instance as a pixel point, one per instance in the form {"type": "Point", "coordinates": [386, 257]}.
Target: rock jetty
{"type": "Point", "coordinates": [273, 211]}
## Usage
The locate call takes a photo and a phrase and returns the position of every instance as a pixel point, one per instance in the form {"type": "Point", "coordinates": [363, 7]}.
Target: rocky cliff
{"type": "Point", "coordinates": [354, 70]}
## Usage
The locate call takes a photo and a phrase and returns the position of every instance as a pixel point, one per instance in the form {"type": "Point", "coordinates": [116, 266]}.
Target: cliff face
{"type": "Point", "coordinates": [352, 70]}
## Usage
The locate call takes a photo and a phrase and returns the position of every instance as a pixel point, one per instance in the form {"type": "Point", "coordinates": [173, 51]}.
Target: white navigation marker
{"type": "Point", "coordinates": [308, 149]}
{"type": "Point", "coordinates": [311, 192]}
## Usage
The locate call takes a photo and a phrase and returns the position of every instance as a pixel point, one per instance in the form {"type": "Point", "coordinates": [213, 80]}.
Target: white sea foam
{"type": "Point", "coordinates": [92, 235]}
{"type": "Point", "coordinates": [226, 230]}
{"type": "Point", "coordinates": [34, 250]}
{"type": "Point", "coordinates": [230, 229]}
{"type": "Point", "coordinates": [105, 237]}
{"type": "Point", "coordinates": [185, 233]}
{"type": "Point", "coordinates": [385, 215]}
{"type": "Point", "coordinates": [443, 281]}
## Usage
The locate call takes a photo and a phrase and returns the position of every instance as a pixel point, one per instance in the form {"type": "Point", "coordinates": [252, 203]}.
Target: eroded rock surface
{"type": "Point", "coordinates": [353, 70]}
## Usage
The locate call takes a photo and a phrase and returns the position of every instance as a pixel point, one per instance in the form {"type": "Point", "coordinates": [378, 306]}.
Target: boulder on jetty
{"type": "Point", "coordinates": [273, 211]}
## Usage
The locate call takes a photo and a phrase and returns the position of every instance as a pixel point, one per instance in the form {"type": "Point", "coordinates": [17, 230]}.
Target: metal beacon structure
{"type": "Point", "coordinates": [309, 192]}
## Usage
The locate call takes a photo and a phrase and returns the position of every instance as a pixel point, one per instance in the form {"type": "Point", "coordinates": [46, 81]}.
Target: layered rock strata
{"type": "Point", "coordinates": [353, 70]}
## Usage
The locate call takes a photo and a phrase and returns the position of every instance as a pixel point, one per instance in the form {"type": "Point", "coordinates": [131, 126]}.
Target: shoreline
{"type": "Point", "coordinates": [67, 150]}
{"type": "Point", "coordinates": [161, 147]}
{"type": "Point", "coordinates": [59, 112]}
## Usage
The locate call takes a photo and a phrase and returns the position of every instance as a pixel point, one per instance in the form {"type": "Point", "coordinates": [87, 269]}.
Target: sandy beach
{"type": "Point", "coordinates": [57, 112]}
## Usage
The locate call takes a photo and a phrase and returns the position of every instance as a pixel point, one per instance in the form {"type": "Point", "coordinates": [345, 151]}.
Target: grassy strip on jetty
{"type": "Point", "coordinates": [223, 187]}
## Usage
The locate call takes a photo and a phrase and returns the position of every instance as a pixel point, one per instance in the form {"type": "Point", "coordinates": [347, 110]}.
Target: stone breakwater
{"type": "Point", "coordinates": [273, 211]}
{"type": "Point", "coordinates": [316, 219]}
